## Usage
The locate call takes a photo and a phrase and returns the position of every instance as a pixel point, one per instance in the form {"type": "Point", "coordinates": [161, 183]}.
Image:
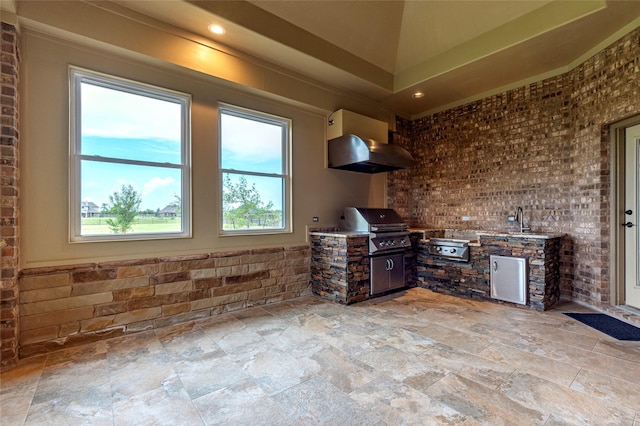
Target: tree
{"type": "Point", "coordinates": [241, 203]}
{"type": "Point", "coordinates": [124, 207]}
{"type": "Point", "coordinates": [177, 203]}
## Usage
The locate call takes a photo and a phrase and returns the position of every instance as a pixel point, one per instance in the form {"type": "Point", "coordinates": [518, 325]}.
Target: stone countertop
{"type": "Point", "coordinates": [344, 234]}
{"type": "Point", "coordinates": [463, 234]}
{"type": "Point", "coordinates": [524, 235]}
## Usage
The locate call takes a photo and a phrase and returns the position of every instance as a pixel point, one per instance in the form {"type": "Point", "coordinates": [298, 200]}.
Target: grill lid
{"type": "Point", "coordinates": [370, 219]}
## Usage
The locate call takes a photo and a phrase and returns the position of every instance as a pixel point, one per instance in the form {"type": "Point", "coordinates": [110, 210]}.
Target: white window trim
{"type": "Point", "coordinates": [251, 114]}
{"type": "Point", "coordinates": [76, 77]}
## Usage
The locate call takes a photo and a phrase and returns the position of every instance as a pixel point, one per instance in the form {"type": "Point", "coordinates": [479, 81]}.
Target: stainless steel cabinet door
{"type": "Point", "coordinates": [379, 275]}
{"type": "Point", "coordinates": [387, 273]}
{"type": "Point", "coordinates": [509, 279]}
{"type": "Point", "coordinates": [396, 271]}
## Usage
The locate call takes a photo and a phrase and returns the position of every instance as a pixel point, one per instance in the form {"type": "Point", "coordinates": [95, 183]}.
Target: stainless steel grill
{"type": "Point", "coordinates": [387, 231]}
{"type": "Point", "coordinates": [449, 248]}
{"type": "Point", "coordinates": [388, 241]}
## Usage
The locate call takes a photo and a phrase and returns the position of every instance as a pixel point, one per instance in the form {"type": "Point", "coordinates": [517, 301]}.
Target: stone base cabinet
{"type": "Point", "coordinates": [473, 279]}
{"type": "Point", "coordinates": [340, 266]}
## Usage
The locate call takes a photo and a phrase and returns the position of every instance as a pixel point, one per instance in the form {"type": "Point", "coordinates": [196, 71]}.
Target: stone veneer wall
{"type": "Point", "coordinates": [467, 279]}
{"type": "Point", "coordinates": [543, 261]}
{"type": "Point", "coordinates": [473, 279]}
{"type": "Point", "coordinates": [340, 267]}
{"type": "Point", "coordinates": [9, 175]}
{"type": "Point", "coordinates": [69, 305]}
{"type": "Point", "coordinates": [341, 270]}
{"type": "Point", "coordinates": [544, 146]}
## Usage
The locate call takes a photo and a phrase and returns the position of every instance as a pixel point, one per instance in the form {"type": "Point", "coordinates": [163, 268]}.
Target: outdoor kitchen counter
{"type": "Point", "coordinates": [337, 233]}
{"type": "Point", "coordinates": [474, 236]}
{"type": "Point", "coordinates": [340, 265]}
{"type": "Point", "coordinates": [471, 279]}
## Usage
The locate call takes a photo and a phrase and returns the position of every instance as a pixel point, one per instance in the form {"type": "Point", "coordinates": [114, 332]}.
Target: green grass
{"type": "Point", "coordinates": [98, 225]}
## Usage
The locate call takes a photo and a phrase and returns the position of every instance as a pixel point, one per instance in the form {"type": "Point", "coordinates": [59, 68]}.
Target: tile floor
{"type": "Point", "coordinates": [414, 358]}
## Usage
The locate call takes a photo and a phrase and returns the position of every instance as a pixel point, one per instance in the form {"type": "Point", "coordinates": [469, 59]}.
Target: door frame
{"type": "Point", "coordinates": [616, 234]}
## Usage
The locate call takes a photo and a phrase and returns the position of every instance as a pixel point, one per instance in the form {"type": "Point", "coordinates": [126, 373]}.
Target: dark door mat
{"type": "Point", "coordinates": [609, 325]}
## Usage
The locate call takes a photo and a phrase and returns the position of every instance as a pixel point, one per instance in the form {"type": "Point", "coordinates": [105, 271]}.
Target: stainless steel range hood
{"type": "Point", "coordinates": [350, 152]}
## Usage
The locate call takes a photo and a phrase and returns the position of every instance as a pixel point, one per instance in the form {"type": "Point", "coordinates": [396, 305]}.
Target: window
{"type": "Point", "coordinates": [254, 172]}
{"type": "Point", "coordinates": [129, 160]}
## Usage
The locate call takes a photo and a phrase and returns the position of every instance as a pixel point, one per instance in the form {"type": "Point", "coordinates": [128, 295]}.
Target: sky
{"type": "Point", "coordinates": [248, 145]}
{"type": "Point", "coordinates": [133, 127]}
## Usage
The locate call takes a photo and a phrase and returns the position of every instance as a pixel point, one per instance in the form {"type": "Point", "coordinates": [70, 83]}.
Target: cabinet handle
{"type": "Point", "coordinates": [391, 267]}
{"type": "Point", "coordinates": [495, 265]}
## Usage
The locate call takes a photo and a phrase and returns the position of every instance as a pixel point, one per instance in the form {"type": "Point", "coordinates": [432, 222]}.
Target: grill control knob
{"type": "Point", "coordinates": [453, 250]}
{"type": "Point", "coordinates": [438, 249]}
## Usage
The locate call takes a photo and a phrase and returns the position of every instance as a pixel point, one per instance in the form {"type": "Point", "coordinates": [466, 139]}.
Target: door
{"type": "Point", "coordinates": [379, 274]}
{"type": "Point", "coordinates": [396, 271]}
{"type": "Point", "coordinates": [630, 221]}
{"type": "Point", "coordinates": [387, 273]}
{"type": "Point", "coordinates": [509, 279]}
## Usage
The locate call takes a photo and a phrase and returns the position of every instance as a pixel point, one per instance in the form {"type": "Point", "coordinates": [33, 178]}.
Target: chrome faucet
{"type": "Point", "coordinates": [520, 219]}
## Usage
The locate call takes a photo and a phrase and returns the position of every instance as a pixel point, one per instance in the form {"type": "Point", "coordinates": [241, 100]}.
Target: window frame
{"type": "Point", "coordinates": [77, 76]}
{"type": "Point", "coordinates": [262, 117]}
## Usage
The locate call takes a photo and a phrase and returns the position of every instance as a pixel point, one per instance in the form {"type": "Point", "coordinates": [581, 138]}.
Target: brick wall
{"type": "Point", "coordinates": [69, 305]}
{"type": "Point", "coordinates": [399, 181]}
{"type": "Point", "coordinates": [544, 147]}
{"type": "Point", "coordinates": [9, 59]}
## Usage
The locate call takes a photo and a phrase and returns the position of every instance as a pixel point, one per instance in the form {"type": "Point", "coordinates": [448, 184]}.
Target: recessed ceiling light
{"type": "Point", "coordinates": [417, 95]}
{"type": "Point", "coordinates": [216, 29]}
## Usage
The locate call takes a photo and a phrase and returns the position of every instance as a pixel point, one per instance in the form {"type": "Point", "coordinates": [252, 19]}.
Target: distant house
{"type": "Point", "coordinates": [89, 209]}
{"type": "Point", "coordinates": [169, 211]}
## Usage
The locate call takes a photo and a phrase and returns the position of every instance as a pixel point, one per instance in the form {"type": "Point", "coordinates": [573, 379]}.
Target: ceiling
{"type": "Point", "coordinates": [453, 51]}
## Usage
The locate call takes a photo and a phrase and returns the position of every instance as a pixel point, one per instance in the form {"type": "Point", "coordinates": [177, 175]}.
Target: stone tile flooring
{"type": "Point", "coordinates": [414, 357]}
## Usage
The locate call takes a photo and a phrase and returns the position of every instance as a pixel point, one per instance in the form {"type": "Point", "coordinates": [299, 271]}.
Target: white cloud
{"type": "Point", "coordinates": [108, 112]}
{"type": "Point", "coordinates": [251, 141]}
{"type": "Point", "coordinates": [156, 183]}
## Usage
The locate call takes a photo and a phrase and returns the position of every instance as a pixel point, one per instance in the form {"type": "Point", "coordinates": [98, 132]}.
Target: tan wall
{"type": "Point", "coordinates": [75, 293]}
{"type": "Point", "coordinates": [317, 191]}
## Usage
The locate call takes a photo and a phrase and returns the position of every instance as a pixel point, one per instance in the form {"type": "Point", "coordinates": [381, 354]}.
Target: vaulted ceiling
{"type": "Point", "coordinates": [451, 50]}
